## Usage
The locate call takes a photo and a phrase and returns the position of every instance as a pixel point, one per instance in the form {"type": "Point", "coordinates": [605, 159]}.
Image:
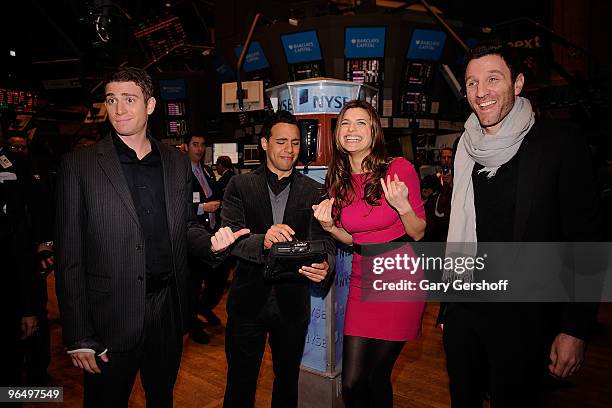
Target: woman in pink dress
{"type": "Point", "coordinates": [373, 200]}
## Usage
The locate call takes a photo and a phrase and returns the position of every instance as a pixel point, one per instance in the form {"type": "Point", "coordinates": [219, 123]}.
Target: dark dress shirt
{"type": "Point", "coordinates": [276, 185]}
{"type": "Point", "coordinates": [145, 180]}
{"type": "Point", "coordinates": [494, 202]}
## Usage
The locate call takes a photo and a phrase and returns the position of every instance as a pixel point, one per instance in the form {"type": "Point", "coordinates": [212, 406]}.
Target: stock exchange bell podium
{"type": "Point", "coordinates": [316, 104]}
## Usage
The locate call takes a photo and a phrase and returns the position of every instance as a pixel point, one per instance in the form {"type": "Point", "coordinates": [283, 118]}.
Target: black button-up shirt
{"type": "Point", "coordinates": [146, 183]}
{"type": "Point", "coordinates": [278, 185]}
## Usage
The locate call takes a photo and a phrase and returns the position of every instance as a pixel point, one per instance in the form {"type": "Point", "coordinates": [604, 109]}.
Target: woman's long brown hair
{"type": "Point", "coordinates": [338, 182]}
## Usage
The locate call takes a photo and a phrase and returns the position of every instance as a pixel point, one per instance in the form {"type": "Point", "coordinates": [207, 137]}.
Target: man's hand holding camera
{"type": "Point", "coordinates": [278, 233]}
{"type": "Point", "coordinates": [316, 272]}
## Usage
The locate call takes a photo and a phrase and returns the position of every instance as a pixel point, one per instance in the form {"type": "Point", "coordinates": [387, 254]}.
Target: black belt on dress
{"type": "Point", "coordinates": [379, 247]}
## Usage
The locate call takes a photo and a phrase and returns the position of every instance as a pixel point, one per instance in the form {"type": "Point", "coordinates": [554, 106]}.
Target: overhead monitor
{"type": "Point", "coordinates": [160, 35]}
{"type": "Point", "coordinates": [172, 89]}
{"type": "Point", "coordinates": [426, 45]}
{"type": "Point", "coordinates": [225, 149]}
{"type": "Point", "coordinates": [255, 58]}
{"type": "Point", "coordinates": [301, 47]}
{"type": "Point", "coordinates": [364, 42]}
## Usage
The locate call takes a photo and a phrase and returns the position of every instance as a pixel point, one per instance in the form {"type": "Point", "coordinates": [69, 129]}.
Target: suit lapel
{"type": "Point", "coordinates": [109, 162]}
{"type": "Point", "coordinates": [529, 166]}
{"type": "Point", "coordinates": [293, 201]}
{"type": "Point", "coordinates": [170, 183]}
{"type": "Point", "coordinates": [261, 196]}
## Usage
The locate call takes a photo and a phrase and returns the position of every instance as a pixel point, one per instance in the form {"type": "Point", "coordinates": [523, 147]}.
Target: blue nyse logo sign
{"type": "Point", "coordinates": [303, 96]}
{"type": "Point", "coordinates": [364, 42]}
{"type": "Point", "coordinates": [301, 47]}
{"type": "Point", "coordinates": [426, 45]}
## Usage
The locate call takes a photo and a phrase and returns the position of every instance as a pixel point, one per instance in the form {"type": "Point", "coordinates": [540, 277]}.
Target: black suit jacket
{"type": "Point", "coordinates": [204, 219]}
{"type": "Point", "coordinates": [19, 278]}
{"type": "Point", "coordinates": [224, 181]}
{"type": "Point", "coordinates": [557, 201]}
{"type": "Point", "coordinates": [101, 248]}
{"type": "Point", "coordinates": [246, 204]}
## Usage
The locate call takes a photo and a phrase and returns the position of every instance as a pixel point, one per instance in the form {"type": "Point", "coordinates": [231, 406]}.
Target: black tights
{"type": "Point", "coordinates": [366, 371]}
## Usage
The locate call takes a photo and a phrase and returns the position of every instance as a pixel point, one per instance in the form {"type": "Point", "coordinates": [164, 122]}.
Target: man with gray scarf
{"type": "Point", "coordinates": [515, 180]}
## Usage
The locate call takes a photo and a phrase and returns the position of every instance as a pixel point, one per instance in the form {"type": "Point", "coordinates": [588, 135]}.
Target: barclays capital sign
{"type": "Point", "coordinates": [301, 47]}
{"type": "Point", "coordinates": [364, 42]}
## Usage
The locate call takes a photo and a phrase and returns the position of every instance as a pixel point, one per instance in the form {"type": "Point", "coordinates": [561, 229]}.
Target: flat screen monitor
{"type": "Point", "coordinates": [175, 108]}
{"type": "Point", "coordinates": [426, 45]}
{"type": "Point", "coordinates": [225, 149]}
{"type": "Point", "coordinates": [364, 42]}
{"type": "Point", "coordinates": [255, 58]}
{"type": "Point", "coordinates": [177, 128]}
{"type": "Point", "coordinates": [172, 89]}
{"type": "Point", "coordinates": [301, 47]}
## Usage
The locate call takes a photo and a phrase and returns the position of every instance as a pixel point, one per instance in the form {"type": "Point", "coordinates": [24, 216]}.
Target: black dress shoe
{"type": "Point", "coordinates": [211, 318]}
{"type": "Point", "coordinates": [200, 337]}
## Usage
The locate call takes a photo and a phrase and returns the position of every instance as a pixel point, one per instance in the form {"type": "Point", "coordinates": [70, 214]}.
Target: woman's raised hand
{"type": "Point", "coordinates": [323, 214]}
{"type": "Point", "coordinates": [396, 194]}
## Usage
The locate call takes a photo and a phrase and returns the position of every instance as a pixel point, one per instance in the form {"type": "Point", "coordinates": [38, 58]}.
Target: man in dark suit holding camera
{"type": "Point", "coordinates": [274, 202]}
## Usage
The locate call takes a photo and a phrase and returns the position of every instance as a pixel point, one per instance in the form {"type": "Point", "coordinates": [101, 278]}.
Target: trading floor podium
{"type": "Point", "coordinates": [319, 100]}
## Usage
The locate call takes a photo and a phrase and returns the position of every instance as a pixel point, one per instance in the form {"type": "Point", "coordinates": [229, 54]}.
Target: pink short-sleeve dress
{"type": "Point", "coordinates": [395, 321]}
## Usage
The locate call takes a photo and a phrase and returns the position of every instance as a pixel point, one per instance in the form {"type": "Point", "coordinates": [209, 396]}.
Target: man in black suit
{"type": "Point", "coordinates": [38, 179]}
{"type": "Point", "coordinates": [19, 303]}
{"type": "Point", "coordinates": [274, 202]}
{"type": "Point", "coordinates": [206, 203]}
{"type": "Point", "coordinates": [515, 180]}
{"type": "Point", "coordinates": [124, 225]}
{"type": "Point", "coordinates": [226, 171]}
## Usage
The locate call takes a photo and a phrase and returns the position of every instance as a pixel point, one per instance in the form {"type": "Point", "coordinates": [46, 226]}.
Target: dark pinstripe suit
{"type": "Point", "coordinates": [101, 252]}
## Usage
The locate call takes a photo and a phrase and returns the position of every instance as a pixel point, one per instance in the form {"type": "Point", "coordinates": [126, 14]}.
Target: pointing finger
{"type": "Point", "coordinates": [384, 187]}
{"type": "Point", "coordinates": [241, 232]}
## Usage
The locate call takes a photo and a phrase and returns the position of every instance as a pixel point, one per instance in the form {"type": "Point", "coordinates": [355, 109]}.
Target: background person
{"type": "Point", "coordinates": [206, 202]}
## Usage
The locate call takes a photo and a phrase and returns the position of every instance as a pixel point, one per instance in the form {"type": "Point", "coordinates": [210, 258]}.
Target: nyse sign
{"type": "Point", "coordinates": [317, 103]}
{"type": "Point", "coordinates": [316, 99]}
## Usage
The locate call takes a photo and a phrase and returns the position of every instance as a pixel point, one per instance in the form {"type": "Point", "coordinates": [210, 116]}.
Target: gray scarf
{"type": "Point", "coordinates": [490, 151]}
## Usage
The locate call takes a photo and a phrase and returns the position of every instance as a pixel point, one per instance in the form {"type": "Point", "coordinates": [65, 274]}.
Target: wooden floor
{"type": "Point", "coordinates": [419, 377]}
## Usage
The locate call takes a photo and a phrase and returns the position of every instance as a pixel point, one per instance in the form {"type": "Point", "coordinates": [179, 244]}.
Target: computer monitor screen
{"type": "Point", "coordinates": [177, 128]}
{"type": "Point", "coordinates": [255, 59]}
{"type": "Point", "coordinates": [172, 89]}
{"type": "Point", "coordinates": [301, 47]}
{"type": "Point", "coordinates": [364, 42]}
{"type": "Point", "coordinates": [175, 108]}
{"type": "Point", "coordinates": [225, 149]}
{"type": "Point", "coordinates": [426, 45]}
